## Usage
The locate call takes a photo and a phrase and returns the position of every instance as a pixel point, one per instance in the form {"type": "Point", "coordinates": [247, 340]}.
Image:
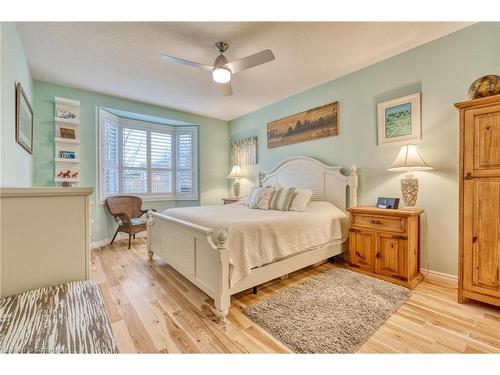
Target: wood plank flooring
{"type": "Point", "coordinates": [153, 309]}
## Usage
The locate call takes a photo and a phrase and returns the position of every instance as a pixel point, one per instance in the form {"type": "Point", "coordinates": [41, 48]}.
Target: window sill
{"type": "Point", "coordinates": [159, 199]}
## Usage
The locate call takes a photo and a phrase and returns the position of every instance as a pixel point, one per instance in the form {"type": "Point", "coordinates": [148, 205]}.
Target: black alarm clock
{"type": "Point", "coordinates": [389, 203]}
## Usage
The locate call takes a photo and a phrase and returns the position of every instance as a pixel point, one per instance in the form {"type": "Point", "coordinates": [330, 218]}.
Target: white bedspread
{"type": "Point", "coordinates": [258, 237]}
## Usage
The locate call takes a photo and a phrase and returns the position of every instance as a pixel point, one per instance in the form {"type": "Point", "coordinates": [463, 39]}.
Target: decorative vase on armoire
{"type": "Point", "coordinates": [479, 206]}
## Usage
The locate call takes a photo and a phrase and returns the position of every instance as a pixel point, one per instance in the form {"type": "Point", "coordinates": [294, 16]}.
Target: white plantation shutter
{"type": "Point", "coordinates": [153, 161]}
{"type": "Point", "coordinates": [161, 162]}
{"type": "Point", "coordinates": [134, 160]}
{"type": "Point", "coordinates": [110, 154]}
{"type": "Point", "coordinates": [184, 170]}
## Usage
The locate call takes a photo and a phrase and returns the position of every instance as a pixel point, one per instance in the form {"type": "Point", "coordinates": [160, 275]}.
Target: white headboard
{"type": "Point", "coordinates": [327, 182]}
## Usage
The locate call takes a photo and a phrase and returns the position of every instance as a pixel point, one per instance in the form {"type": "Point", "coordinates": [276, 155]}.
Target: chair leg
{"type": "Point", "coordinates": [134, 236]}
{"type": "Point", "coordinates": [129, 238]}
{"type": "Point", "coordinates": [114, 236]}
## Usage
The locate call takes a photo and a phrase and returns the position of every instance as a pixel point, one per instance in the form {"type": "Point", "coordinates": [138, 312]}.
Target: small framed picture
{"type": "Point", "coordinates": [24, 119]}
{"type": "Point", "coordinates": [67, 133]}
{"type": "Point", "coordinates": [399, 119]}
{"type": "Point", "coordinates": [389, 203]}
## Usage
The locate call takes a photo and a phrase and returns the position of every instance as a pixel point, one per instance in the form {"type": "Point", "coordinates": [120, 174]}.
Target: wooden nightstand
{"type": "Point", "coordinates": [385, 244]}
{"type": "Point", "coordinates": [230, 200]}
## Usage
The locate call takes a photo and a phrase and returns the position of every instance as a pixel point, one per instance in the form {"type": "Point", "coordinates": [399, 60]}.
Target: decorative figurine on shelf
{"type": "Point", "coordinates": [74, 175]}
{"type": "Point", "coordinates": [66, 115]}
{"type": "Point", "coordinates": [60, 174]}
{"type": "Point", "coordinates": [67, 174]}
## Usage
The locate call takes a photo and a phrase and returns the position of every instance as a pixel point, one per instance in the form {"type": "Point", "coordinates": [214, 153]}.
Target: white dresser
{"type": "Point", "coordinates": [44, 237]}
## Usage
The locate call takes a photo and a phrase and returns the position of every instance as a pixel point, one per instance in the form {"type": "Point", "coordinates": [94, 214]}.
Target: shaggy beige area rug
{"type": "Point", "coordinates": [335, 312]}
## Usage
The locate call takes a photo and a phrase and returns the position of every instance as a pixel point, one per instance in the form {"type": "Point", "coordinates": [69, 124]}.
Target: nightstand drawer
{"type": "Point", "coordinates": [393, 224]}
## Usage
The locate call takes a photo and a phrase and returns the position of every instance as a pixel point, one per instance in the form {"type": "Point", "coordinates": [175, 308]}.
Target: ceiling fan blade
{"type": "Point", "coordinates": [178, 60]}
{"type": "Point", "coordinates": [248, 62]}
{"type": "Point", "coordinates": [226, 88]}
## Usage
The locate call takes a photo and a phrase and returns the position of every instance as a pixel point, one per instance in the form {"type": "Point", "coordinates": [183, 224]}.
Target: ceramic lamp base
{"type": "Point", "coordinates": [409, 190]}
{"type": "Point", "coordinates": [236, 189]}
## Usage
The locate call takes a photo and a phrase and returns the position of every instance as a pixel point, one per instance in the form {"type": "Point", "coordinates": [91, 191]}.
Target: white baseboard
{"type": "Point", "coordinates": [439, 277]}
{"type": "Point", "coordinates": [119, 236]}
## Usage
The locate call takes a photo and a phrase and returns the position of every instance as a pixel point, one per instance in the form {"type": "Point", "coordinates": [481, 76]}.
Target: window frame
{"type": "Point", "coordinates": [149, 127]}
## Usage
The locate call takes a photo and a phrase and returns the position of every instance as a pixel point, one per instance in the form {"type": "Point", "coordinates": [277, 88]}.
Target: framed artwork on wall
{"type": "Point", "coordinates": [24, 119]}
{"type": "Point", "coordinates": [399, 119]}
{"type": "Point", "coordinates": [313, 124]}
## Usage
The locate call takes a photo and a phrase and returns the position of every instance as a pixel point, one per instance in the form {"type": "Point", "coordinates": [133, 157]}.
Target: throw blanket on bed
{"type": "Point", "coordinates": [67, 318]}
{"type": "Point", "coordinates": [259, 237]}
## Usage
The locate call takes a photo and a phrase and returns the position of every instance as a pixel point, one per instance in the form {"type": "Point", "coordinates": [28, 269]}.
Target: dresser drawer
{"type": "Point", "coordinates": [393, 224]}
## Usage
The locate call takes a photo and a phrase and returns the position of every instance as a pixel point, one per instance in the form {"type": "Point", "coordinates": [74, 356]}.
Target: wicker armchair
{"type": "Point", "coordinates": [127, 211]}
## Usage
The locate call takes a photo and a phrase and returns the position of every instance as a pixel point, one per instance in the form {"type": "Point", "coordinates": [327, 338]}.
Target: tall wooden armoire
{"type": "Point", "coordinates": [479, 222]}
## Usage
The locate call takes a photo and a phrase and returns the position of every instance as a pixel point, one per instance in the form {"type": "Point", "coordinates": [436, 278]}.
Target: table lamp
{"type": "Point", "coordinates": [235, 174]}
{"type": "Point", "coordinates": [409, 160]}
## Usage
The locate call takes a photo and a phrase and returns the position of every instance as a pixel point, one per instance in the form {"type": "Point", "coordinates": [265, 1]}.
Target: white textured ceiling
{"type": "Point", "coordinates": [123, 59]}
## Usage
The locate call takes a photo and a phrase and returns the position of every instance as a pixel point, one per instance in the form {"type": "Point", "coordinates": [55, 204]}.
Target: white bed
{"type": "Point", "coordinates": [229, 248]}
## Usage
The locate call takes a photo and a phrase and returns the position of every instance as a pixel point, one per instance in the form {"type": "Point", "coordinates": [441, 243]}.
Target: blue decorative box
{"type": "Point", "coordinates": [67, 154]}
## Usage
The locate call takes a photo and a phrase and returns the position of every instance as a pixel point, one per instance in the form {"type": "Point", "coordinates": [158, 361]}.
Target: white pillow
{"type": "Point", "coordinates": [300, 200]}
{"type": "Point", "coordinates": [248, 199]}
{"type": "Point", "coordinates": [261, 198]}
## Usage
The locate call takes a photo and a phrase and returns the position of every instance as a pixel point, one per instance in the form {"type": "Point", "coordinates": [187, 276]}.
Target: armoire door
{"type": "Point", "coordinates": [482, 142]}
{"type": "Point", "coordinates": [391, 255]}
{"type": "Point", "coordinates": [481, 236]}
{"type": "Point", "coordinates": [361, 245]}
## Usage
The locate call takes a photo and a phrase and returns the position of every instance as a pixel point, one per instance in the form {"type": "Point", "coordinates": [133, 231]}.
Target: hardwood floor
{"type": "Point", "coordinates": [152, 308]}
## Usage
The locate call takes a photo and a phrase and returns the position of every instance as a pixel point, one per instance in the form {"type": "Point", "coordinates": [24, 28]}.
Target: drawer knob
{"type": "Point", "coordinates": [376, 222]}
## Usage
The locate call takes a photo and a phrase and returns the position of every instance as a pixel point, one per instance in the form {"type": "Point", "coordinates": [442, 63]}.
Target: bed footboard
{"type": "Point", "coordinates": [198, 253]}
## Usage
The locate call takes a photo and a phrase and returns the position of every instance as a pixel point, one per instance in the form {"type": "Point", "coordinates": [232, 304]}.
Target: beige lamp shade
{"type": "Point", "coordinates": [409, 159]}
{"type": "Point", "coordinates": [235, 172]}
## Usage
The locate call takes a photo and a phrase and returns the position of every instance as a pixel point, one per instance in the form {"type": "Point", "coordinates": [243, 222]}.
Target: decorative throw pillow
{"type": "Point", "coordinates": [300, 200]}
{"type": "Point", "coordinates": [282, 199]}
{"type": "Point", "coordinates": [248, 199]}
{"type": "Point", "coordinates": [261, 198]}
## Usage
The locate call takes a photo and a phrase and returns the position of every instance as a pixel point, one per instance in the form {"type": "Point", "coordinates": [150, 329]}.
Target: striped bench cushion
{"type": "Point", "coordinates": [66, 318]}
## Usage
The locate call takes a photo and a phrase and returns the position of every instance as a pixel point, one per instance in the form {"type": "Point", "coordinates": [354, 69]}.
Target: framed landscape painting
{"type": "Point", "coordinates": [304, 126]}
{"type": "Point", "coordinates": [24, 120]}
{"type": "Point", "coordinates": [399, 119]}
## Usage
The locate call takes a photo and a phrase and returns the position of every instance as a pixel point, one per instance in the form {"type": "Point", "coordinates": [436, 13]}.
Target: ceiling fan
{"type": "Point", "coordinates": [222, 70]}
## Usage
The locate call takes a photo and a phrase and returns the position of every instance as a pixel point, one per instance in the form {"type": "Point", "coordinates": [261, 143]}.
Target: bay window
{"type": "Point", "coordinates": [153, 161]}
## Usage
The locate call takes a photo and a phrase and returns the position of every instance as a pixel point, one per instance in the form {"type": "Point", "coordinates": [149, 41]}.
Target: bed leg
{"type": "Point", "coordinates": [222, 315]}
{"type": "Point", "coordinates": [222, 307]}
{"type": "Point", "coordinates": [254, 290]}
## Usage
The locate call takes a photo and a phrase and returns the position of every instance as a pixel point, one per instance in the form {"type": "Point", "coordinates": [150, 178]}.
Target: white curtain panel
{"type": "Point", "coordinates": [244, 152]}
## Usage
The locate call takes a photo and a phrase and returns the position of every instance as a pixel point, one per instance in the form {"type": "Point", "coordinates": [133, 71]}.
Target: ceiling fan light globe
{"type": "Point", "coordinates": [221, 75]}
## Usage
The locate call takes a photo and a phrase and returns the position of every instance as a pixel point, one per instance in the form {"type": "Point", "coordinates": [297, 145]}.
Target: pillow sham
{"type": "Point", "coordinates": [261, 198]}
{"type": "Point", "coordinates": [282, 198]}
{"type": "Point", "coordinates": [300, 200]}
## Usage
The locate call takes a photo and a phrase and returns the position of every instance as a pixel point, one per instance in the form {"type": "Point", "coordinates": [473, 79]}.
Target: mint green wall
{"type": "Point", "coordinates": [442, 71]}
{"type": "Point", "coordinates": [212, 139]}
{"type": "Point", "coordinates": [15, 161]}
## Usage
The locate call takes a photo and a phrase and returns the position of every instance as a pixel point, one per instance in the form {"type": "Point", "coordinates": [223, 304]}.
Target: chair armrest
{"type": "Point", "coordinates": [146, 211]}
{"type": "Point", "coordinates": [123, 216]}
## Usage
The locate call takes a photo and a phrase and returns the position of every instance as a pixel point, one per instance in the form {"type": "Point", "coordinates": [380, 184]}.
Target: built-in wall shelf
{"type": "Point", "coordinates": [67, 141]}
{"type": "Point", "coordinates": [59, 179]}
{"type": "Point", "coordinates": [64, 160]}
{"type": "Point", "coordinates": [67, 121]}
{"type": "Point", "coordinates": [66, 102]}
